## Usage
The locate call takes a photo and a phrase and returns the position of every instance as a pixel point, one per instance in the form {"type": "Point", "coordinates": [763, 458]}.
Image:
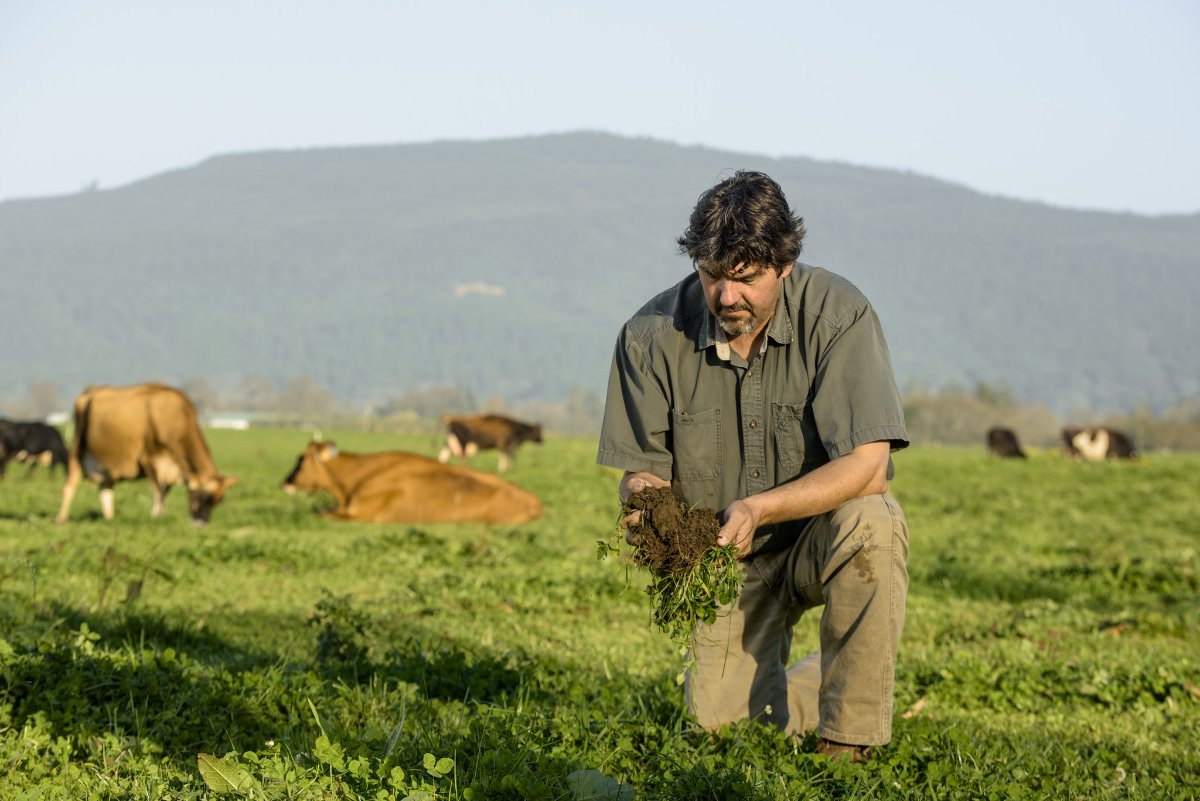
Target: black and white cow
{"type": "Point", "coordinates": [1097, 443]}
{"type": "Point", "coordinates": [468, 434]}
{"type": "Point", "coordinates": [32, 444]}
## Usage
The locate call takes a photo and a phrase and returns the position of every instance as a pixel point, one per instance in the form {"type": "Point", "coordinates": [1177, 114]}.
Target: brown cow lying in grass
{"type": "Point", "coordinates": [399, 487]}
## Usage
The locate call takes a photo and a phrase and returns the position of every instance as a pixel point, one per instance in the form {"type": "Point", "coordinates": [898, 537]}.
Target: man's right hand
{"type": "Point", "coordinates": [631, 483]}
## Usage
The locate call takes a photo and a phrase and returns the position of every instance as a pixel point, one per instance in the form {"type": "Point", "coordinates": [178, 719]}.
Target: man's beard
{"type": "Point", "coordinates": [737, 329]}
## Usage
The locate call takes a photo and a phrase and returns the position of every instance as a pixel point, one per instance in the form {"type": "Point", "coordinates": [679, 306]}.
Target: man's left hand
{"type": "Point", "coordinates": [861, 472]}
{"type": "Point", "coordinates": [740, 523]}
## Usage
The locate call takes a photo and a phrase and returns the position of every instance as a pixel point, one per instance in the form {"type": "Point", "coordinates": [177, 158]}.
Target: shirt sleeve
{"type": "Point", "coordinates": [855, 398]}
{"type": "Point", "coordinates": [634, 432]}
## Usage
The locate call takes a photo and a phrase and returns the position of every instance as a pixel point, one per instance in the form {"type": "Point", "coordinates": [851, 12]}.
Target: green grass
{"type": "Point", "coordinates": [1050, 650]}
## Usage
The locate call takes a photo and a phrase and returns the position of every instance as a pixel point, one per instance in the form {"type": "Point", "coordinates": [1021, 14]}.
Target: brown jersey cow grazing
{"type": "Point", "coordinates": [400, 487]}
{"type": "Point", "coordinates": [142, 431]}
{"type": "Point", "coordinates": [468, 434]}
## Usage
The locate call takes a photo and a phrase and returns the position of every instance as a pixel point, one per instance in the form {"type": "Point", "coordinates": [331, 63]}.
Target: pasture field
{"type": "Point", "coordinates": [1052, 647]}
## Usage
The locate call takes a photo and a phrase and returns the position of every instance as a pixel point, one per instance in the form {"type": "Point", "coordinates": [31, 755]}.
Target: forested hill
{"type": "Point", "coordinates": [507, 267]}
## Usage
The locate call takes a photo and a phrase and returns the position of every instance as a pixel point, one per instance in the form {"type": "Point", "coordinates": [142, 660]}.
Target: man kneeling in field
{"type": "Point", "coordinates": [763, 387]}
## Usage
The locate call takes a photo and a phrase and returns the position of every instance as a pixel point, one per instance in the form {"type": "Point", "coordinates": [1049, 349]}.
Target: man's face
{"type": "Point", "coordinates": [744, 299]}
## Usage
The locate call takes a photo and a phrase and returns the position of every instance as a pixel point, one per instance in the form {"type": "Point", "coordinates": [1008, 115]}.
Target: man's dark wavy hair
{"type": "Point", "coordinates": [745, 218]}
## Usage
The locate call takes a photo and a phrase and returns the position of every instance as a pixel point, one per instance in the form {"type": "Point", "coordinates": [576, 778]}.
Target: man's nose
{"type": "Point", "coordinates": [728, 292]}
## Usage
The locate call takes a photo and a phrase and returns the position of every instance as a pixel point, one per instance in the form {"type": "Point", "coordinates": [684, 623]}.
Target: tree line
{"type": "Point", "coordinates": [954, 416]}
{"type": "Point", "coordinates": [959, 416]}
{"type": "Point", "coordinates": [301, 401]}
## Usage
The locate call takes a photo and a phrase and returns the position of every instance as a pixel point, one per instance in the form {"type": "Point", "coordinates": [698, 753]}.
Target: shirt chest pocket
{"type": "Point", "coordinates": [696, 445]}
{"type": "Point", "coordinates": [798, 447]}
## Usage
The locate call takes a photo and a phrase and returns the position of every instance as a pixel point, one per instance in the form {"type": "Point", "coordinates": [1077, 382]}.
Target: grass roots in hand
{"type": "Point", "coordinates": [691, 576]}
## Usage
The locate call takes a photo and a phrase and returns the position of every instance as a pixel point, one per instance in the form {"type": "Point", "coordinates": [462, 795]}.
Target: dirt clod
{"type": "Point", "coordinates": [673, 538]}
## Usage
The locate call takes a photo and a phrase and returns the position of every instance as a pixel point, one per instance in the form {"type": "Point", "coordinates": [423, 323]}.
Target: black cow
{"type": "Point", "coordinates": [32, 444]}
{"type": "Point", "coordinates": [1003, 442]}
{"type": "Point", "coordinates": [468, 434]}
{"type": "Point", "coordinates": [1097, 443]}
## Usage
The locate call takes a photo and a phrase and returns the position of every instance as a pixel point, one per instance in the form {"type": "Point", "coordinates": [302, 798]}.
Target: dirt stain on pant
{"type": "Point", "coordinates": [862, 558]}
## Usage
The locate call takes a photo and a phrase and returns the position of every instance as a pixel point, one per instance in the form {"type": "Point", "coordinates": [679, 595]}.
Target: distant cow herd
{"type": "Point", "coordinates": [152, 431]}
{"type": "Point", "coordinates": [1090, 444]}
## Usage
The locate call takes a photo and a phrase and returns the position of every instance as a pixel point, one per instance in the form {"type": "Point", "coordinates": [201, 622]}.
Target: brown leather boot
{"type": "Point", "coordinates": [854, 754]}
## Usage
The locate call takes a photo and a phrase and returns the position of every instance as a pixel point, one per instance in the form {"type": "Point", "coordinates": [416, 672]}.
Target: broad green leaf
{"type": "Point", "coordinates": [222, 776]}
{"type": "Point", "coordinates": [592, 785]}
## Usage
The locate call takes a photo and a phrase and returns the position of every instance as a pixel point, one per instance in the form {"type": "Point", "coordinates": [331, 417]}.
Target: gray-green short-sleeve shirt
{"type": "Point", "coordinates": [687, 410]}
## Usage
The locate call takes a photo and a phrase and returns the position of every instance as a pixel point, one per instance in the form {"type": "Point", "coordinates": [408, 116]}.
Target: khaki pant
{"type": "Point", "coordinates": [852, 561]}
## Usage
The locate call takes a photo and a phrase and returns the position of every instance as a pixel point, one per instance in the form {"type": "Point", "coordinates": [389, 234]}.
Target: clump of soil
{"type": "Point", "coordinates": [673, 538]}
{"type": "Point", "coordinates": [691, 577]}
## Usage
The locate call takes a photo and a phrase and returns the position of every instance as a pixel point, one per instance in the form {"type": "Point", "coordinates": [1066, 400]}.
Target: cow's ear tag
{"type": "Point", "coordinates": [328, 453]}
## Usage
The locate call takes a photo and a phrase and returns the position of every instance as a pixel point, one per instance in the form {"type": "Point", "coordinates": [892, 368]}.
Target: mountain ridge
{"type": "Point", "coordinates": [341, 264]}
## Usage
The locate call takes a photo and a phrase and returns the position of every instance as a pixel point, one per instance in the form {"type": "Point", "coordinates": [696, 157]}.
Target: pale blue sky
{"type": "Point", "coordinates": [1087, 104]}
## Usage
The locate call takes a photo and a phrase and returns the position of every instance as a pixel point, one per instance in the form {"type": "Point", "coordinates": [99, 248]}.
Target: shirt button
{"type": "Point", "coordinates": [754, 424]}
{"type": "Point", "coordinates": [754, 474]}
